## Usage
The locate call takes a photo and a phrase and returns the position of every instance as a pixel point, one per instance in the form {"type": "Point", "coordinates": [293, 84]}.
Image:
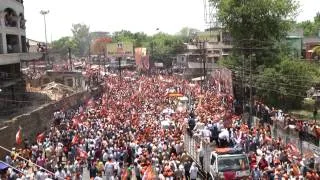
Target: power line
{"type": "Point", "coordinates": [258, 72]}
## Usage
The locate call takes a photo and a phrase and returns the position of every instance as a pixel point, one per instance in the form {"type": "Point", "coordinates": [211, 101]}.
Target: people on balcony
{"type": "Point", "coordinates": [22, 21]}
{"type": "Point", "coordinates": [10, 19]}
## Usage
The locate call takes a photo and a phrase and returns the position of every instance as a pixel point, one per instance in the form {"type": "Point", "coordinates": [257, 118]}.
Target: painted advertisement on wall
{"type": "Point", "coordinates": [113, 49]}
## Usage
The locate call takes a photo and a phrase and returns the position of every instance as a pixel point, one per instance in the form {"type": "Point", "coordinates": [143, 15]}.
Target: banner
{"type": "Point", "coordinates": [112, 49]}
{"type": "Point", "coordinates": [146, 62]}
{"type": "Point", "coordinates": [223, 79]}
{"type": "Point", "coordinates": [142, 60]}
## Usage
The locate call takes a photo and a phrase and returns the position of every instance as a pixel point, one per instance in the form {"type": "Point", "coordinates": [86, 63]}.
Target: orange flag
{"type": "Point", "coordinates": [19, 136]}
{"type": "Point", "coordinates": [41, 137]}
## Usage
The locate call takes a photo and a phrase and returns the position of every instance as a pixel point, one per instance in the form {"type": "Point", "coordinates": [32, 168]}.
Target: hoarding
{"type": "Point", "coordinates": [142, 60]}
{"type": "Point", "coordinates": [127, 48]}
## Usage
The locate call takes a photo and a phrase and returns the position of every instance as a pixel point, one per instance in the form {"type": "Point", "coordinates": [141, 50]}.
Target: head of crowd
{"type": "Point", "coordinates": [121, 134]}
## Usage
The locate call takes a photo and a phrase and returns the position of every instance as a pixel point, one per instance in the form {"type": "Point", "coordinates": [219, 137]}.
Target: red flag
{"type": "Point", "coordinates": [75, 139]}
{"type": "Point", "coordinates": [40, 137]}
{"type": "Point", "coordinates": [83, 154]}
{"type": "Point", "coordinates": [19, 136]}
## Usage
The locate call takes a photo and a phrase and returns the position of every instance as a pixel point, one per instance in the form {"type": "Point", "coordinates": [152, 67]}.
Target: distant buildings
{"type": "Point", "coordinates": [217, 44]}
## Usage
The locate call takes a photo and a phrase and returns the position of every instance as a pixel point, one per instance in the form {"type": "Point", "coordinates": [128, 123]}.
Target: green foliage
{"type": "Point", "coordinates": [163, 46]}
{"type": "Point", "coordinates": [262, 20]}
{"type": "Point", "coordinates": [63, 44]}
{"type": "Point", "coordinates": [310, 28]}
{"type": "Point", "coordinates": [81, 37]}
{"type": "Point", "coordinates": [257, 27]}
{"type": "Point", "coordinates": [287, 82]}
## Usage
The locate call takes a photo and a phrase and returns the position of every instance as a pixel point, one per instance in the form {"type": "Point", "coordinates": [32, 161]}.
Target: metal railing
{"type": "Point", "coordinates": [9, 76]}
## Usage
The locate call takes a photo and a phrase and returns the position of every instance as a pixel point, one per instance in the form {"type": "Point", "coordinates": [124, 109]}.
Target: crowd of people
{"type": "Point", "coordinates": [119, 135]}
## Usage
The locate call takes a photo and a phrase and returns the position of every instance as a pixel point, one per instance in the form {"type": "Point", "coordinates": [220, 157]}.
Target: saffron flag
{"type": "Point", "coordinates": [40, 137]}
{"type": "Point", "coordinates": [82, 154]}
{"type": "Point", "coordinates": [19, 136]}
{"type": "Point", "coordinates": [75, 139]}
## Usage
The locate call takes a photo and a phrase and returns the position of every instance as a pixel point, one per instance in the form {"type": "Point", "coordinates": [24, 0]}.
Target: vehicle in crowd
{"type": "Point", "coordinates": [217, 163]}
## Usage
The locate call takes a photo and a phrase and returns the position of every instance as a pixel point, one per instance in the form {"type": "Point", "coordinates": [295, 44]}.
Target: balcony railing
{"type": "Point", "coordinates": [4, 76]}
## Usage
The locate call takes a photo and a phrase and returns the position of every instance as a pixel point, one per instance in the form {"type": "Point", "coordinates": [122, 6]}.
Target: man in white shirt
{"type": "Point", "coordinates": [193, 171]}
{"type": "Point", "coordinates": [41, 175]}
{"type": "Point", "coordinates": [109, 169]}
{"type": "Point", "coordinates": [60, 174]}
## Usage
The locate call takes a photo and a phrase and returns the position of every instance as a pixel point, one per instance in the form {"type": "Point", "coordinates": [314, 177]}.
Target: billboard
{"type": "Point", "coordinates": [142, 61]}
{"type": "Point", "coordinates": [112, 49]}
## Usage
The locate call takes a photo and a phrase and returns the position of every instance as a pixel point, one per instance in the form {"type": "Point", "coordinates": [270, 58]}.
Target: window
{"type": "Point", "coordinates": [70, 82]}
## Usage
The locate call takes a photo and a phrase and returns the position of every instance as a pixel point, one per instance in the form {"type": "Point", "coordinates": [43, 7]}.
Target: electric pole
{"type": "Point", "coordinates": [104, 62]}
{"type": "Point", "coordinates": [70, 60]}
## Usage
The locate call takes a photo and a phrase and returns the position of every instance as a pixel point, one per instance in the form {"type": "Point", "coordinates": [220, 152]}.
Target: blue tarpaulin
{"type": "Point", "coordinates": [3, 166]}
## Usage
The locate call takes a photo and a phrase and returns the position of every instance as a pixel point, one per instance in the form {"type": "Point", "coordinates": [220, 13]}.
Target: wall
{"type": "Point", "coordinates": [38, 120]}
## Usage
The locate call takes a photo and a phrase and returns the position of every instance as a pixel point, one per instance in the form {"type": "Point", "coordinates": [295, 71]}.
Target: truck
{"type": "Point", "coordinates": [218, 163]}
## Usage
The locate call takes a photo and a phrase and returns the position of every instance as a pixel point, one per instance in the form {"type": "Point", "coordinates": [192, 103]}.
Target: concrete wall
{"type": "Point", "coordinates": [38, 120]}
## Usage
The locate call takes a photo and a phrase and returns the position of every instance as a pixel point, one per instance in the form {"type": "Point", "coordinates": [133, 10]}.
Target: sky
{"type": "Point", "coordinates": [170, 16]}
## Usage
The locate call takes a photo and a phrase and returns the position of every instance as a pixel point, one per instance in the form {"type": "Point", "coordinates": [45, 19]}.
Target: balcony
{"type": "Point", "coordinates": [218, 46]}
{"type": "Point", "coordinates": [6, 59]}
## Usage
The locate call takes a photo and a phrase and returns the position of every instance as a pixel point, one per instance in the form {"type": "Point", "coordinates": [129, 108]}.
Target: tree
{"type": "Point", "coordinates": [262, 20]}
{"type": "Point", "coordinates": [81, 37]}
{"type": "Point", "coordinates": [61, 46]}
{"type": "Point", "coordinates": [123, 36]}
{"type": "Point", "coordinates": [310, 28]}
{"type": "Point", "coordinates": [187, 33]}
{"type": "Point", "coordinates": [286, 83]}
{"type": "Point", "coordinates": [163, 46]}
{"type": "Point", "coordinates": [256, 26]}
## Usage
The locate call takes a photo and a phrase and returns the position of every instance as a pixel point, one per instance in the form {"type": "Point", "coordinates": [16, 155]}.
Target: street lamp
{"type": "Point", "coordinates": [152, 42]}
{"type": "Point", "coordinates": [44, 13]}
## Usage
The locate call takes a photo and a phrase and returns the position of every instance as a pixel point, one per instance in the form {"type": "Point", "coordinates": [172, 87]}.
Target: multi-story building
{"type": "Point", "coordinates": [12, 45]}
{"type": "Point", "coordinates": [217, 44]}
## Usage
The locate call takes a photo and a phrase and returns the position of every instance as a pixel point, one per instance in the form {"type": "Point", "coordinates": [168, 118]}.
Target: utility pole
{"type": "Point", "coordinates": [119, 60]}
{"type": "Point", "coordinates": [201, 46]}
{"type": "Point", "coordinates": [120, 51]}
{"type": "Point", "coordinates": [70, 60]}
{"type": "Point", "coordinates": [99, 73]}
{"type": "Point", "coordinates": [251, 99]}
{"type": "Point", "coordinates": [104, 62]}
{"type": "Point", "coordinates": [204, 62]}
{"type": "Point", "coordinates": [243, 86]}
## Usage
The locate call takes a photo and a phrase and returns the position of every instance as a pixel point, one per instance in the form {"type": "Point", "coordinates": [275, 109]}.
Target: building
{"type": "Point", "coordinates": [72, 79]}
{"type": "Point", "coordinates": [217, 44]}
{"type": "Point", "coordinates": [12, 44]}
{"type": "Point", "coordinates": [13, 48]}
{"type": "Point", "coordinates": [294, 42]}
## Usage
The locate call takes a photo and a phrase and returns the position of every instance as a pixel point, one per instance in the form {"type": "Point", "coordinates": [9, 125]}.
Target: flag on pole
{"type": "Point", "coordinates": [19, 136]}
{"type": "Point", "coordinates": [40, 137]}
{"type": "Point", "coordinates": [75, 139]}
